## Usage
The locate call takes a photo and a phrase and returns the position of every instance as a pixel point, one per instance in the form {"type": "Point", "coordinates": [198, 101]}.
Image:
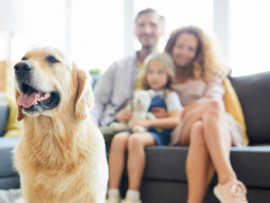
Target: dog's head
{"type": "Point", "coordinates": [48, 82]}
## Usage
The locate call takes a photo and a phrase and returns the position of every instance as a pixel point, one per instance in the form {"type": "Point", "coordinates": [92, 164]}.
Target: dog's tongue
{"type": "Point", "coordinates": [28, 99]}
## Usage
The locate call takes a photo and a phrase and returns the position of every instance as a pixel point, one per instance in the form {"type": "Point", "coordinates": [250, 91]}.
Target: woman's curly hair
{"type": "Point", "coordinates": [206, 62]}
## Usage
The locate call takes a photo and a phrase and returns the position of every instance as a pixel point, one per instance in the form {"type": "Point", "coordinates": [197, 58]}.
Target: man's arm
{"type": "Point", "coordinates": [102, 93]}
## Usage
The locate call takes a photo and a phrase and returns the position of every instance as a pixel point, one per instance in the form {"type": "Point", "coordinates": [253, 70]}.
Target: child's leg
{"type": "Point", "coordinates": [117, 159]}
{"type": "Point", "coordinates": [136, 157]}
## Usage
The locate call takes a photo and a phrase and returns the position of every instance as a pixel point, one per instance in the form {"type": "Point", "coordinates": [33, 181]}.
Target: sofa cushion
{"type": "Point", "coordinates": [251, 164]}
{"type": "Point", "coordinates": [7, 145]}
{"type": "Point", "coordinates": [4, 113]}
{"type": "Point", "coordinates": [254, 94]}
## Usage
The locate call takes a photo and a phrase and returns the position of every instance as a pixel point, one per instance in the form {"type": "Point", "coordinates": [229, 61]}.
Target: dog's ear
{"type": "Point", "coordinates": [85, 98]}
{"type": "Point", "coordinates": [20, 114]}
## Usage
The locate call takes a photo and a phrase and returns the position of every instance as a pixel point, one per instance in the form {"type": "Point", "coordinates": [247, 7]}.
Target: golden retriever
{"type": "Point", "coordinates": [61, 155]}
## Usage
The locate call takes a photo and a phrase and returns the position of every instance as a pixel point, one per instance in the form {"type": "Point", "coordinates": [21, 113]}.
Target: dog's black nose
{"type": "Point", "coordinates": [23, 67]}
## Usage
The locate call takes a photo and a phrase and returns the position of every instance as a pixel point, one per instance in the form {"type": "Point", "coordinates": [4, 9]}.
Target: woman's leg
{"type": "Point", "coordinates": [218, 141]}
{"type": "Point", "coordinates": [136, 157]}
{"type": "Point", "coordinates": [117, 159]}
{"type": "Point", "coordinates": [199, 167]}
{"type": "Point", "coordinates": [216, 136]}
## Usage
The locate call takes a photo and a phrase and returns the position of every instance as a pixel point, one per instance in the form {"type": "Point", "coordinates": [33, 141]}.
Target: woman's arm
{"type": "Point", "coordinates": [189, 107]}
{"type": "Point", "coordinates": [168, 123]}
{"type": "Point", "coordinates": [214, 90]}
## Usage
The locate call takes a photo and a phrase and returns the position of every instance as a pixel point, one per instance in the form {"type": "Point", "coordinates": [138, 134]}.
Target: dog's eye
{"type": "Point", "coordinates": [52, 59]}
{"type": "Point", "coordinates": [24, 58]}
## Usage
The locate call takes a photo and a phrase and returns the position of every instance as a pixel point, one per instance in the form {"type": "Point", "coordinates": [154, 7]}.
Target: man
{"type": "Point", "coordinates": [115, 88]}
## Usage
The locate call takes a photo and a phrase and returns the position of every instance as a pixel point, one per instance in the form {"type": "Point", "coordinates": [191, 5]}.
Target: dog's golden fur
{"type": "Point", "coordinates": [61, 155]}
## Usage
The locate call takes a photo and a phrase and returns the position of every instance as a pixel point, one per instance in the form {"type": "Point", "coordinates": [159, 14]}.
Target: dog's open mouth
{"type": "Point", "coordinates": [33, 99]}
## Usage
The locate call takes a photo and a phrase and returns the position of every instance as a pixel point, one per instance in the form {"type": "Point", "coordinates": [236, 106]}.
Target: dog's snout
{"type": "Point", "coordinates": [23, 67]}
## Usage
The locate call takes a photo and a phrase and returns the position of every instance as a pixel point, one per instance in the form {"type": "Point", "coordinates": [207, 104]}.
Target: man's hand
{"type": "Point", "coordinates": [124, 115]}
{"type": "Point", "coordinates": [143, 123]}
{"type": "Point", "coordinates": [160, 112]}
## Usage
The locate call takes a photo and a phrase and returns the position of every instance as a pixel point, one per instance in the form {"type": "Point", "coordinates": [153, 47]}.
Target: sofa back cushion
{"type": "Point", "coordinates": [4, 114]}
{"type": "Point", "coordinates": [254, 94]}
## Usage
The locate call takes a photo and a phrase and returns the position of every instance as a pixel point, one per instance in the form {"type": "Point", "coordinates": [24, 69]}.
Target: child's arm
{"type": "Point", "coordinates": [167, 123]}
{"type": "Point", "coordinates": [174, 108]}
{"type": "Point", "coordinates": [159, 112]}
{"type": "Point", "coordinates": [170, 122]}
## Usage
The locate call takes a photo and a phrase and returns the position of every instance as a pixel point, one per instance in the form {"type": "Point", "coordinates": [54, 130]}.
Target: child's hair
{"type": "Point", "coordinates": [167, 62]}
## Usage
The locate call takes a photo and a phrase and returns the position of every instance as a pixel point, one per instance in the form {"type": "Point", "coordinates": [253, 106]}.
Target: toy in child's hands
{"type": "Point", "coordinates": [140, 104]}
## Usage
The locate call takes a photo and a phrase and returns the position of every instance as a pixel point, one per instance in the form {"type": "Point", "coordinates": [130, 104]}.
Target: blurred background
{"type": "Point", "coordinates": [97, 33]}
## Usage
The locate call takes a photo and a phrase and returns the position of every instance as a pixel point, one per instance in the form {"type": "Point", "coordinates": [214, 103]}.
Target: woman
{"type": "Point", "coordinates": [206, 127]}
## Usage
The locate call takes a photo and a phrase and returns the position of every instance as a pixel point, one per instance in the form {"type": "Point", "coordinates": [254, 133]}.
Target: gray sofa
{"type": "Point", "coordinates": [8, 178]}
{"type": "Point", "coordinates": [164, 178]}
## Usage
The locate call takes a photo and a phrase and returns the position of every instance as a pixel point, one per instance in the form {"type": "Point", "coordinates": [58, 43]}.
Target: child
{"type": "Point", "coordinates": [159, 76]}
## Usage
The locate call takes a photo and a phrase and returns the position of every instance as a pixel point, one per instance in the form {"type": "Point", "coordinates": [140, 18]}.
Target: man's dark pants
{"type": "Point", "coordinates": [108, 134]}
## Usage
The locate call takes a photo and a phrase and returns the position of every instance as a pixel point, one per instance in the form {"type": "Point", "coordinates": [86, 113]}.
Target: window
{"type": "Point", "coordinates": [249, 36]}
{"type": "Point", "coordinates": [39, 24]}
{"type": "Point", "coordinates": [98, 27]}
{"type": "Point", "coordinates": [97, 30]}
{"type": "Point", "coordinates": [97, 33]}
